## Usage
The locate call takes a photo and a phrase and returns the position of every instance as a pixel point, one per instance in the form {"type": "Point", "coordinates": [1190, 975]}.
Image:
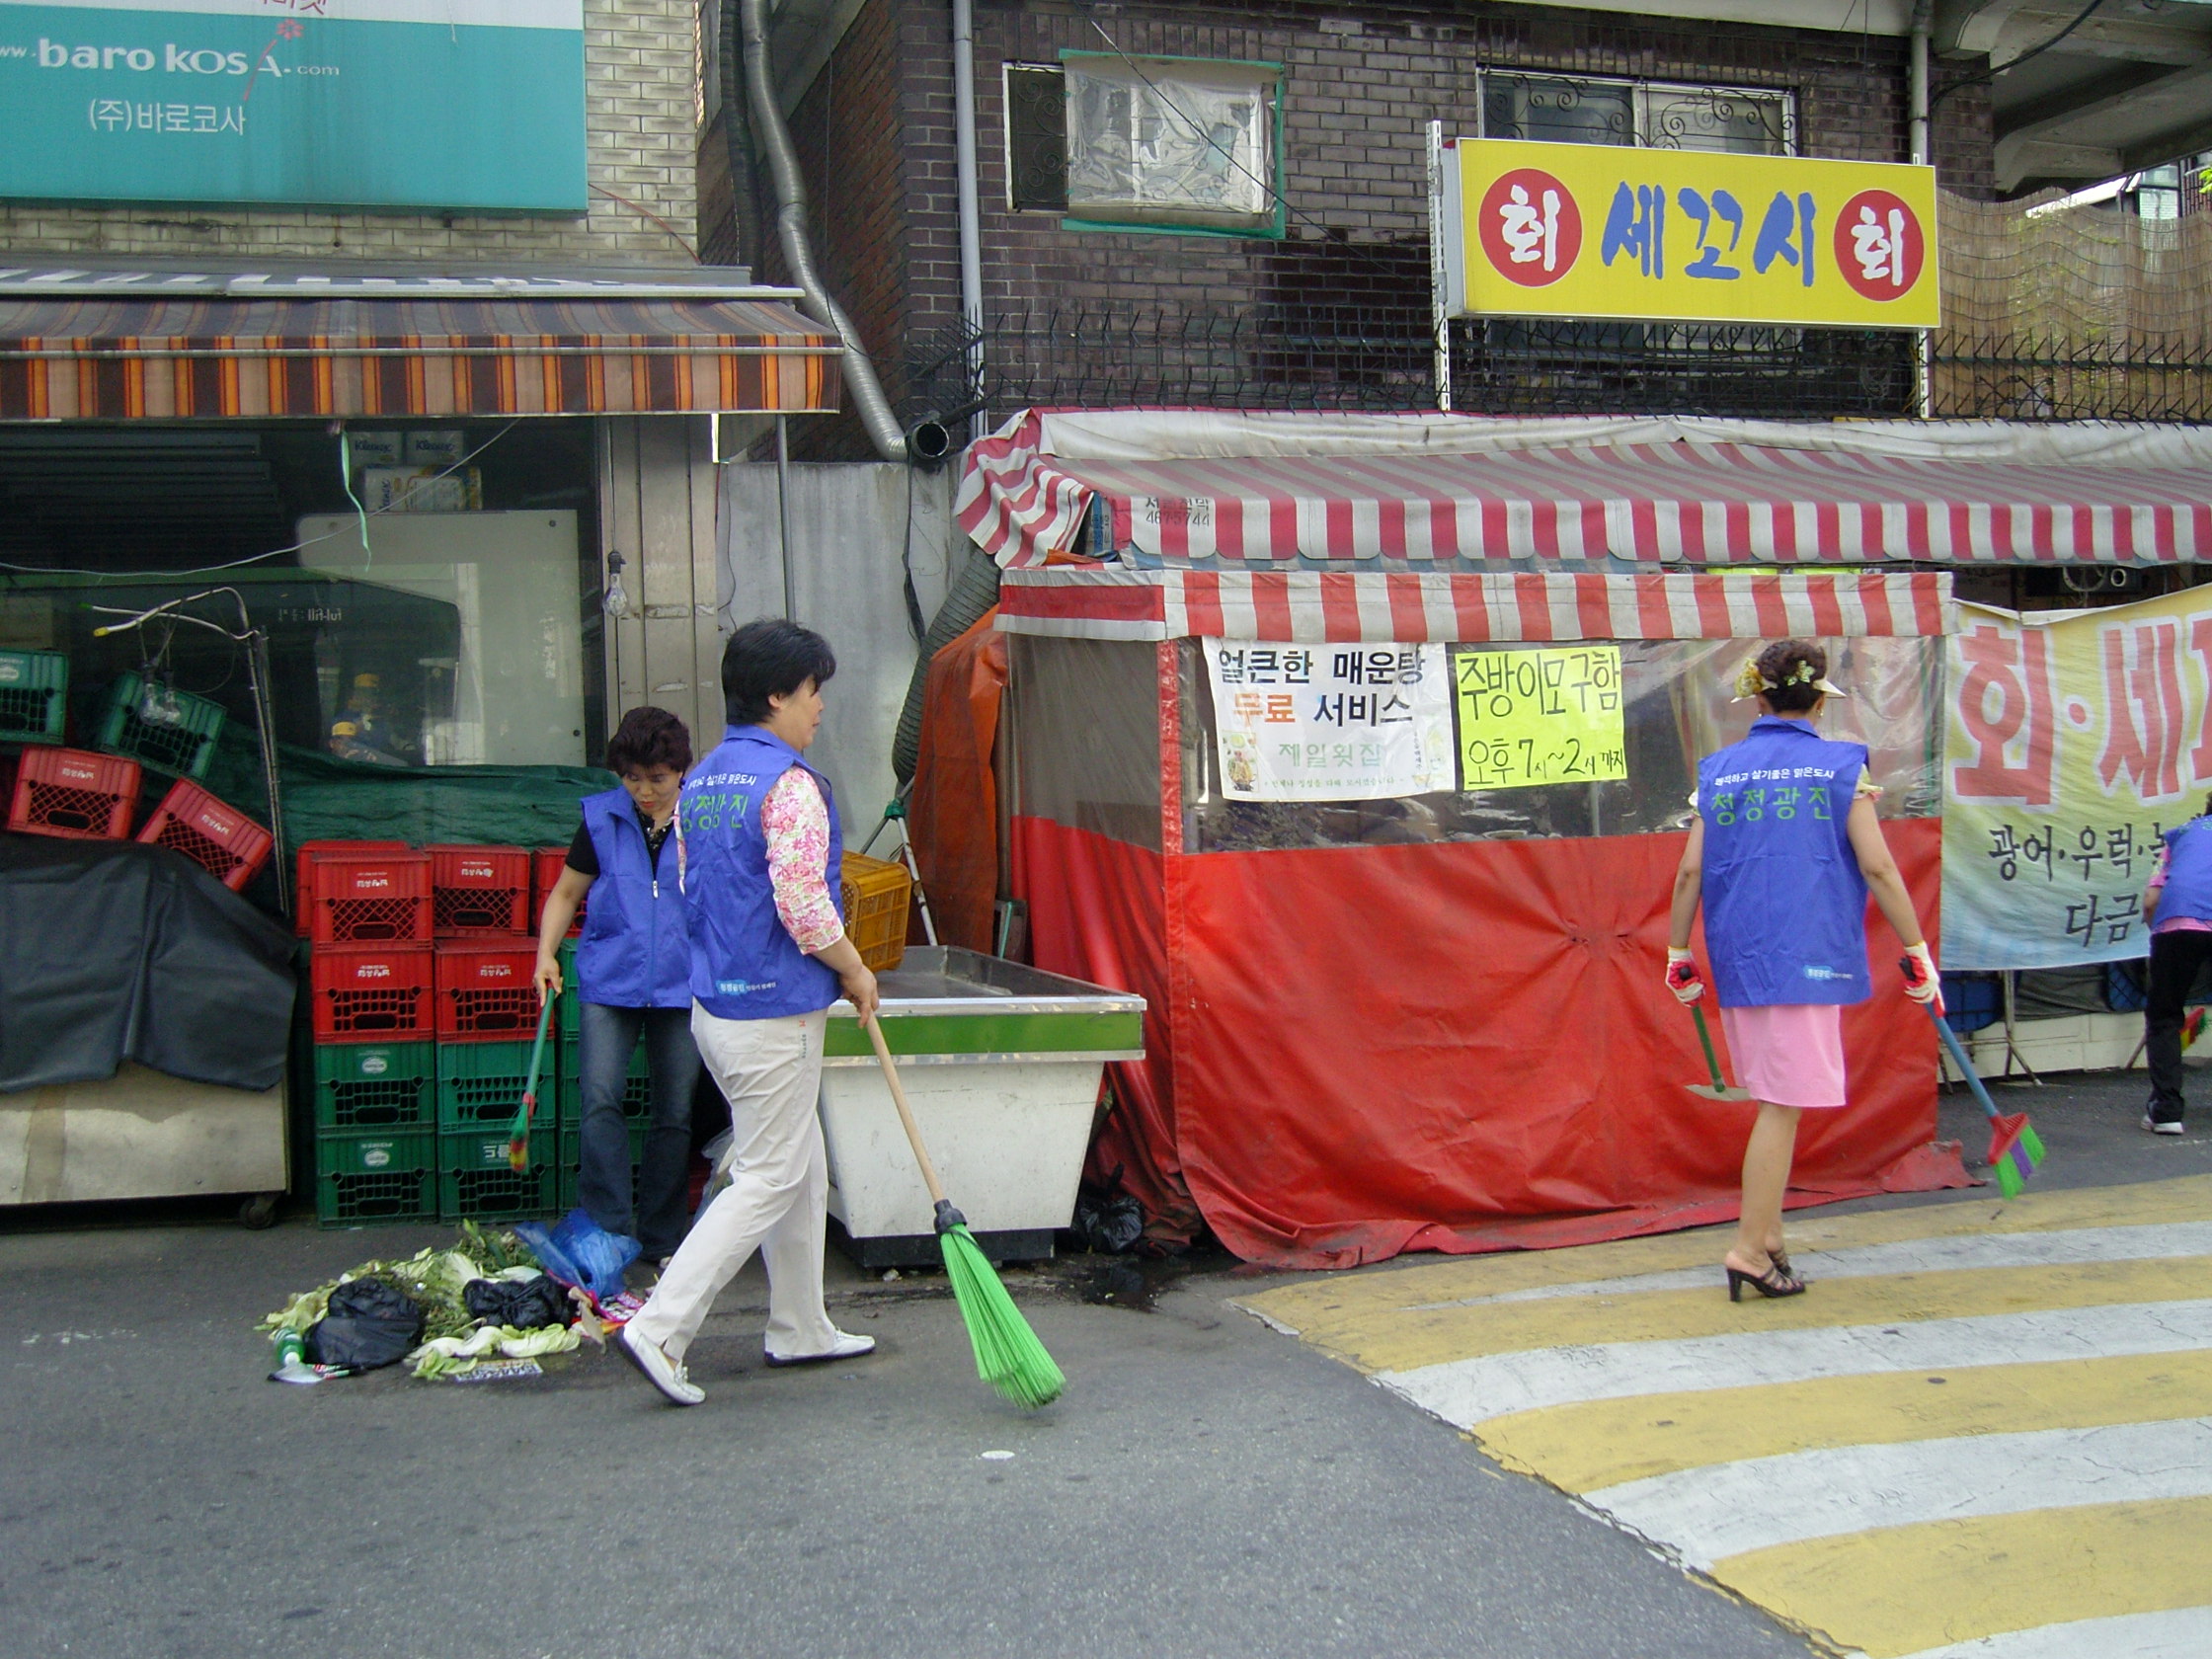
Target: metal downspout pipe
{"type": "Point", "coordinates": [773, 140]}
{"type": "Point", "coordinates": [971, 210]}
{"type": "Point", "coordinates": [1916, 99]}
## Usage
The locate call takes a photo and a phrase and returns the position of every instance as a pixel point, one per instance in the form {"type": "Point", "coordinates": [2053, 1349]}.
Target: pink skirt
{"type": "Point", "coordinates": [1791, 1054]}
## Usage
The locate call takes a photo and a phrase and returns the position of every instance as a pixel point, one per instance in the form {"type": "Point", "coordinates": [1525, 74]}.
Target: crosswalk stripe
{"type": "Point", "coordinates": [1473, 1390]}
{"type": "Point", "coordinates": [1462, 1333]}
{"type": "Point", "coordinates": [1342, 1313]}
{"type": "Point", "coordinates": [1902, 1590]}
{"type": "Point", "coordinates": [2174, 1634]}
{"type": "Point", "coordinates": [1736, 1508]}
{"type": "Point", "coordinates": [1609, 1442]}
{"type": "Point", "coordinates": [1907, 1255]}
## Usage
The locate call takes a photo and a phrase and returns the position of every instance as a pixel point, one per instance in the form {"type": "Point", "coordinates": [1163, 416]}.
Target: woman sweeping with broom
{"type": "Point", "coordinates": [1784, 852]}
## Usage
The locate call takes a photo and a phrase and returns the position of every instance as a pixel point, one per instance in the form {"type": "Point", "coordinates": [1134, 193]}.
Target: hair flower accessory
{"type": "Point", "coordinates": [1750, 682]}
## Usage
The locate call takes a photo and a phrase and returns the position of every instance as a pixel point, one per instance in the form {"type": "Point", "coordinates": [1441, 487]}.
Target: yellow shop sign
{"type": "Point", "coordinates": [1601, 230]}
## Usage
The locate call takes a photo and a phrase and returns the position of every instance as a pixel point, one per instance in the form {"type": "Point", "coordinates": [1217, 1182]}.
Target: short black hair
{"type": "Point", "coordinates": [647, 737]}
{"type": "Point", "coordinates": [1783, 666]}
{"type": "Point", "coordinates": [770, 658]}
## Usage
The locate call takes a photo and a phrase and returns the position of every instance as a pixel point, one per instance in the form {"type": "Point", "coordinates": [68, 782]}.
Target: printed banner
{"type": "Point", "coordinates": [1540, 716]}
{"type": "Point", "coordinates": [1331, 723]}
{"type": "Point", "coordinates": [461, 104]}
{"type": "Point", "coordinates": [1605, 230]}
{"type": "Point", "coordinates": [2075, 738]}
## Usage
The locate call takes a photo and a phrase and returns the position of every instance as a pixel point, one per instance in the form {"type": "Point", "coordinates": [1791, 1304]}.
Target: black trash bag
{"type": "Point", "coordinates": [524, 1303]}
{"type": "Point", "coordinates": [369, 1323]}
{"type": "Point", "coordinates": [1109, 1225]}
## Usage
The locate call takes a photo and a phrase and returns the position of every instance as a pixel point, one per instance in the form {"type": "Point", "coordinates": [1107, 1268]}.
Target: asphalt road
{"type": "Point", "coordinates": [1205, 1487]}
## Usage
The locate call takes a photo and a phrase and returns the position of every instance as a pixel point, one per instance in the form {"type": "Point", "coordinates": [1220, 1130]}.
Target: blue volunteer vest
{"type": "Point", "coordinates": [2188, 872]}
{"type": "Point", "coordinates": [744, 965]}
{"type": "Point", "coordinates": [635, 952]}
{"type": "Point", "coordinates": [1785, 906]}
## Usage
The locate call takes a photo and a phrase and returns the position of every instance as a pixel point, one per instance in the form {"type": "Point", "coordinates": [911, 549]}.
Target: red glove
{"type": "Point", "coordinates": [1921, 982]}
{"type": "Point", "coordinates": [1681, 975]}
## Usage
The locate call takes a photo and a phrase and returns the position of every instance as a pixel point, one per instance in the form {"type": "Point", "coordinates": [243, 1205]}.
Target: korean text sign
{"type": "Point", "coordinates": [2073, 740]}
{"type": "Point", "coordinates": [1329, 722]}
{"type": "Point", "coordinates": [452, 104]}
{"type": "Point", "coordinates": [1526, 717]}
{"type": "Point", "coordinates": [1603, 230]}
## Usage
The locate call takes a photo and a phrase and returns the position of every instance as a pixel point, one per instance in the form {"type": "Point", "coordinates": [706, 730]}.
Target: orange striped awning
{"type": "Point", "coordinates": [148, 356]}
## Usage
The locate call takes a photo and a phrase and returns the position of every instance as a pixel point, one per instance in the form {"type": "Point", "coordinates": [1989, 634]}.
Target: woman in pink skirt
{"type": "Point", "coordinates": [1784, 852]}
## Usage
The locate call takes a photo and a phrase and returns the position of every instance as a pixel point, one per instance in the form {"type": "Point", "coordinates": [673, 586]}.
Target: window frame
{"type": "Point", "coordinates": [1639, 105]}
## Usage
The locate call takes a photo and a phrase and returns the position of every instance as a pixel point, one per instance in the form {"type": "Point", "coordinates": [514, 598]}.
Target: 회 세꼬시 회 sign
{"type": "Point", "coordinates": [1616, 232]}
{"type": "Point", "coordinates": [373, 104]}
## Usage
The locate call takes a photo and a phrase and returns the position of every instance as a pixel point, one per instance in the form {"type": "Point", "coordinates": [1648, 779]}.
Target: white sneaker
{"type": "Point", "coordinates": [846, 1346]}
{"type": "Point", "coordinates": [2162, 1126]}
{"type": "Point", "coordinates": [658, 1368]}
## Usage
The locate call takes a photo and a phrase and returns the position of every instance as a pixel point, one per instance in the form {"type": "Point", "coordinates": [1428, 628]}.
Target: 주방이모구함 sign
{"type": "Point", "coordinates": [1606, 230]}
{"type": "Point", "coordinates": [1329, 722]}
{"type": "Point", "coordinates": [2076, 740]}
{"type": "Point", "coordinates": [1528, 717]}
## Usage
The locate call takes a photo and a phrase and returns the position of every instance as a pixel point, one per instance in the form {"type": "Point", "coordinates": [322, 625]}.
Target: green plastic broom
{"type": "Point", "coordinates": [1009, 1355]}
{"type": "Point", "coordinates": [519, 1132]}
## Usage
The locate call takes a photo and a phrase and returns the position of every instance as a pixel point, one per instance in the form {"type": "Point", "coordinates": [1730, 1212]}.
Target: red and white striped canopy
{"type": "Point", "coordinates": [1700, 503]}
{"type": "Point", "coordinates": [1116, 601]}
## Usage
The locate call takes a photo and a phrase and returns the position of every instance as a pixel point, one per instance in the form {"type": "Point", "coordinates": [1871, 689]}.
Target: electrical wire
{"type": "Point", "coordinates": [273, 552]}
{"type": "Point", "coordinates": [2036, 50]}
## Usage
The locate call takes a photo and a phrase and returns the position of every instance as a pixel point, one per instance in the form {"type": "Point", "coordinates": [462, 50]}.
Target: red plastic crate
{"type": "Point", "coordinates": [69, 793]}
{"type": "Point", "coordinates": [479, 890]}
{"type": "Point", "coordinates": [366, 993]}
{"type": "Point", "coordinates": [211, 833]}
{"type": "Point", "coordinates": [303, 883]}
{"type": "Point", "coordinates": [379, 897]}
{"type": "Point", "coordinates": [547, 863]}
{"type": "Point", "coordinates": [484, 990]}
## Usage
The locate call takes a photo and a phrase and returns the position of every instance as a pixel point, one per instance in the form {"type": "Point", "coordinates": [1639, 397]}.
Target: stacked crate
{"type": "Point", "coordinates": [366, 909]}
{"type": "Point", "coordinates": [486, 1023]}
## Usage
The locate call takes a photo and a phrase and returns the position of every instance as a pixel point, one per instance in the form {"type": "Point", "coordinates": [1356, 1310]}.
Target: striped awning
{"type": "Point", "coordinates": [165, 358]}
{"type": "Point", "coordinates": [1694, 502]}
{"type": "Point", "coordinates": [1309, 607]}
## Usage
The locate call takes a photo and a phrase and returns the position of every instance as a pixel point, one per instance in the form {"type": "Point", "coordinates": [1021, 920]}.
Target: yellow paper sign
{"type": "Point", "coordinates": [1539, 716]}
{"type": "Point", "coordinates": [1604, 230]}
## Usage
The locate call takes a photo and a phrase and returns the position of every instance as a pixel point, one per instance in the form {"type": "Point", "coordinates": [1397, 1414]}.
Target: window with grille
{"type": "Point", "coordinates": [1171, 143]}
{"type": "Point", "coordinates": [1658, 115]}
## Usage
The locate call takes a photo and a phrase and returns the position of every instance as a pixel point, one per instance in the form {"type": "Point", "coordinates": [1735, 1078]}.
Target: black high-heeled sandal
{"type": "Point", "coordinates": [1776, 1281]}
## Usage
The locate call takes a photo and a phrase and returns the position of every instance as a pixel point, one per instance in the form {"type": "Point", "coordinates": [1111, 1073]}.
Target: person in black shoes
{"type": "Point", "coordinates": [2178, 906]}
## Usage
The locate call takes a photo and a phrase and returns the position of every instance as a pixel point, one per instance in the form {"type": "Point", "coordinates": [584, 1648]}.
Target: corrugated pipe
{"type": "Point", "coordinates": [773, 140]}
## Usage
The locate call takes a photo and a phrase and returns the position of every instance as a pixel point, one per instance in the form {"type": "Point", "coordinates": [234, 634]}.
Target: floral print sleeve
{"type": "Point", "coordinates": [796, 825]}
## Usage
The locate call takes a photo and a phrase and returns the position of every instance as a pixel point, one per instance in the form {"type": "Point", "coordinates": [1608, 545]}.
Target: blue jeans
{"type": "Point", "coordinates": [609, 1036]}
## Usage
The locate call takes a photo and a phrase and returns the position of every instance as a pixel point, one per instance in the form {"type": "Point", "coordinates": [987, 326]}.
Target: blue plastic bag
{"type": "Point", "coordinates": [579, 1251]}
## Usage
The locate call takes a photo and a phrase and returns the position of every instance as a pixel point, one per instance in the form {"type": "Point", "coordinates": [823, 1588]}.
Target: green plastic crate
{"type": "Point", "coordinates": [474, 1180]}
{"type": "Point", "coordinates": [480, 1083]}
{"type": "Point", "coordinates": [34, 696]}
{"type": "Point", "coordinates": [567, 1017]}
{"type": "Point", "coordinates": [637, 1090]}
{"type": "Point", "coordinates": [375, 1177]}
{"type": "Point", "coordinates": [380, 1086]}
{"type": "Point", "coordinates": [181, 740]}
{"type": "Point", "coordinates": [572, 1161]}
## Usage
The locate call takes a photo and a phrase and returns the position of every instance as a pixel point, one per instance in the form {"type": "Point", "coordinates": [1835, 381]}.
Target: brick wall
{"type": "Point", "coordinates": [641, 133]}
{"type": "Point", "coordinates": [1361, 82]}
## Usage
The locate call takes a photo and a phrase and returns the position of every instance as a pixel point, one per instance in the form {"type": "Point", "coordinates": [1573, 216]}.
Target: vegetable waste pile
{"type": "Point", "coordinates": [450, 1315]}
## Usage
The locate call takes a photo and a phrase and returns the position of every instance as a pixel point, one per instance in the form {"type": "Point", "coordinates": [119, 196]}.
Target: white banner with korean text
{"type": "Point", "coordinates": [2075, 739]}
{"type": "Point", "coordinates": [1331, 722]}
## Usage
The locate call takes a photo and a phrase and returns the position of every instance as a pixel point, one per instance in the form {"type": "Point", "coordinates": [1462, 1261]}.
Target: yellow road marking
{"type": "Point", "coordinates": [1434, 1337]}
{"type": "Point", "coordinates": [1335, 1310]}
{"type": "Point", "coordinates": [1603, 1443]}
{"type": "Point", "coordinates": [1901, 1589]}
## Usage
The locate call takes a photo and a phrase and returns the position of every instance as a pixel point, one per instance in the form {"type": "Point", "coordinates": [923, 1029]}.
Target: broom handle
{"type": "Point", "coordinates": [874, 1029]}
{"type": "Point", "coordinates": [1959, 1060]}
{"type": "Point", "coordinates": [1705, 1038]}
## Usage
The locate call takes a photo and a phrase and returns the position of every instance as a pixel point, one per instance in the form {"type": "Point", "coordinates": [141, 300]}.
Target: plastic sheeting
{"type": "Point", "coordinates": [1458, 1046]}
{"type": "Point", "coordinates": [953, 808]}
{"type": "Point", "coordinates": [117, 951]}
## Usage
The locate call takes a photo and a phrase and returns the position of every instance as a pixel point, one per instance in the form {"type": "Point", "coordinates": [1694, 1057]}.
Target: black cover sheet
{"type": "Point", "coordinates": [113, 951]}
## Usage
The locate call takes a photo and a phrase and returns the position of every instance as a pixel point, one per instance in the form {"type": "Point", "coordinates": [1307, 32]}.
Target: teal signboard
{"type": "Point", "coordinates": [370, 104]}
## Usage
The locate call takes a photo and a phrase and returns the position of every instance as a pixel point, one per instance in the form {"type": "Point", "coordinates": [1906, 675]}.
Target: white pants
{"type": "Point", "coordinates": [777, 1199]}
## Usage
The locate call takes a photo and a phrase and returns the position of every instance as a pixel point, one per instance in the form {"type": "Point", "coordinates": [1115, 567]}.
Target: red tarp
{"type": "Point", "coordinates": [952, 810]}
{"type": "Point", "coordinates": [1355, 1051]}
